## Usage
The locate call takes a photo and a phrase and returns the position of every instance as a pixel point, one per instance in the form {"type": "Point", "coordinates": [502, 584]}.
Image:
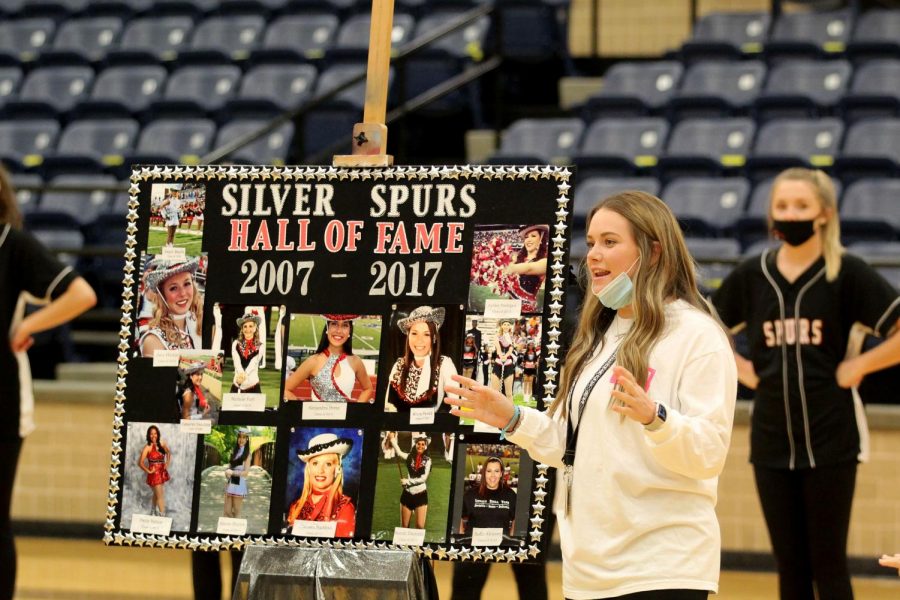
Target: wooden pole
{"type": "Point", "coordinates": [370, 137]}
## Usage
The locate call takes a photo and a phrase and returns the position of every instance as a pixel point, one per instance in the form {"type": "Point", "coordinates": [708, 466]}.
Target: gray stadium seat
{"type": "Point", "coordinates": [635, 89]}
{"type": "Point", "coordinates": [84, 40]}
{"type": "Point", "coordinates": [81, 207]}
{"type": "Point", "coordinates": [810, 34]}
{"type": "Point", "coordinates": [875, 35]}
{"type": "Point", "coordinates": [22, 40]}
{"type": "Point", "coordinates": [783, 143]}
{"type": "Point", "coordinates": [707, 206]}
{"type": "Point", "coordinates": [153, 38]}
{"type": "Point", "coordinates": [198, 90]}
{"type": "Point", "coordinates": [718, 89]}
{"type": "Point", "coordinates": [52, 91]}
{"type": "Point", "coordinates": [271, 149]}
{"type": "Point", "coordinates": [90, 145]}
{"type": "Point", "coordinates": [727, 35]}
{"type": "Point", "coordinates": [298, 37]}
{"type": "Point", "coordinates": [870, 210]}
{"type": "Point", "coordinates": [621, 147]}
{"type": "Point", "coordinates": [124, 90]}
{"type": "Point", "coordinates": [28, 200]}
{"type": "Point", "coordinates": [24, 143]}
{"type": "Point", "coordinates": [874, 92]}
{"type": "Point", "coordinates": [268, 90]}
{"type": "Point", "coordinates": [707, 146]}
{"type": "Point", "coordinates": [803, 88]}
{"type": "Point", "coordinates": [10, 79]}
{"type": "Point", "coordinates": [591, 191]}
{"type": "Point", "coordinates": [225, 37]}
{"type": "Point", "coordinates": [871, 148]}
{"type": "Point", "coordinates": [174, 140]}
{"type": "Point", "coordinates": [539, 141]}
{"type": "Point", "coordinates": [353, 35]}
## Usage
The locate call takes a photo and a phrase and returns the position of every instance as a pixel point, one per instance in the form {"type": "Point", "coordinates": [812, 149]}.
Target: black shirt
{"type": "Point", "coordinates": [797, 334]}
{"type": "Point", "coordinates": [497, 508]}
{"type": "Point", "coordinates": [28, 271]}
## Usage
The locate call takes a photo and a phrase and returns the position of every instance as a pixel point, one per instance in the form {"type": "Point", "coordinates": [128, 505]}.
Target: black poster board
{"type": "Point", "coordinates": [235, 279]}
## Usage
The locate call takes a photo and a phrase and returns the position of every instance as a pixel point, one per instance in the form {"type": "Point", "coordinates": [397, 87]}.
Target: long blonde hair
{"type": "Point", "coordinates": [823, 188]}
{"type": "Point", "coordinates": [163, 321]}
{"type": "Point", "coordinates": [669, 275]}
{"type": "Point", "coordinates": [336, 490]}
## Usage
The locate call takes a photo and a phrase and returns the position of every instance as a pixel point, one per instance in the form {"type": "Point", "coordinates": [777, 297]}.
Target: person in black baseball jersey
{"type": "Point", "coordinates": [28, 273]}
{"type": "Point", "coordinates": [797, 304]}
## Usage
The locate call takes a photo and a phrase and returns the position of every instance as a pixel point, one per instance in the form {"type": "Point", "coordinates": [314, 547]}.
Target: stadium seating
{"type": "Point", "coordinates": [83, 40]}
{"type": "Point", "coordinates": [222, 38]}
{"type": "Point", "coordinates": [783, 143]}
{"type": "Point", "coordinates": [297, 38]}
{"type": "Point", "coordinates": [10, 79]}
{"type": "Point", "coordinates": [124, 91]}
{"type": "Point", "coordinates": [173, 141]}
{"type": "Point", "coordinates": [92, 145]}
{"type": "Point", "coordinates": [727, 35]}
{"type": "Point", "coordinates": [22, 40]}
{"type": "Point", "coordinates": [198, 91]}
{"type": "Point", "coordinates": [539, 141]}
{"type": "Point", "coordinates": [874, 91]}
{"type": "Point", "coordinates": [590, 191]}
{"type": "Point", "coordinates": [871, 148]}
{"type": "Point", "coordinates": [25, 142]}
{"type": "Point", "coordinates": [707, 147]}
{"type": "Point", "coordinates": [718, 89]}
{"type": "Point", "coordinates": [269, 90]}
{"type": "Point", "coordinates": [64, 209]}
{"type": "Point", "coordinates": [707, 207]}
{"type": "Point", "coordinates": [28, 200]}
{"type": "Point", "coordinates": [271, 149]}
{"type": "Point", "coordinates": [814, 34]}
{"type": "Point", "coordinates": [51, 91]}
{"type": "Point", "coordinates": [153, 39]}
{"type": "Point", "coordinates": [875, 35]}
{"type": "Point", "coordinates": [635, 89]}
{"type": "Point", "coordinates": [614, 147]}
{"type": "Point", "coordinates": [803, 88]}
{"type": "Point", "coordinates": [870, 210]}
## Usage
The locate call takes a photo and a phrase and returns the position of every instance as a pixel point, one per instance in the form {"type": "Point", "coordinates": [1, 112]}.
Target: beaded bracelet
{"type": "Point", "coordinates": [513, 422]}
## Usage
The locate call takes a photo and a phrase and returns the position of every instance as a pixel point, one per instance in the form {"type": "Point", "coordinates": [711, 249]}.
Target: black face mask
{"type": "Point", "coordinates": [794, 233]}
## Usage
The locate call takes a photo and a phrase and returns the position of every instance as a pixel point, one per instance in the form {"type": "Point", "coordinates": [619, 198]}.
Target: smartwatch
{"type": "Point", "coordinates": [658, 419]}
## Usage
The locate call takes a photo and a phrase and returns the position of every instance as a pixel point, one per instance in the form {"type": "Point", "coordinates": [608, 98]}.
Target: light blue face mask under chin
{"type": "Point", "coordinates": [617, 292]}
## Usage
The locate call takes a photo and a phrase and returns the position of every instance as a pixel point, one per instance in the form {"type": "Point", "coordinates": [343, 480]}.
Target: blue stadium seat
{"type": "Point", "coordinates": [10, 79]}
{"type": "Point", "coordinates": [446, 58]}
{"type": "Point", "coordinates": [22, 40]}
{"type": "Point", "coordinates": [728, 35]}
{"type": "Point", "coordinates": [297, 38]}
{"type": "Point", "coordinates": [615, 147]}
{"type": "Point", "coordinates": [271, 149]}
{"type": "Point", "coordinates": [83, 40]}
{"type": "Point", "coordinates": [716, 257]}
{"type": "Point", "coordinates": [591, 191]}
{"type": "Point", "coordinates": [24, 143]}
{"type": "Point", "coordinates": [79, 208]}
{"type": "Point", "coordinates": [51, 91]}
{"type": "Point", "coordinates": [92, 145]}
{"type": "Point", "coordinates": [224, 38]}
{"type": "Point", "coordinates": [871, 149]}
{"type": "Point", "coordinates": [528, 30]}
{"type": "Point", "coordinates": [707, 207]}
{"type": "Point", "coordinates": [810, 34]}
{"type": "Point", "coordinates": [707, 147]}
{"type": "Point", "coordinates": [539, 141]}
{"type": "Point", "coordinates": [173, 141]}
{"type": "Point", "coordinates": [803, 88]}
{"type": "Point", "coordinates": [152, 39]}
{"type": "Point", "coordinates": [874, 92]}
{"type": "Point", "coordinates": [198, 90]}
{"type": "Point", "coordinates": [124, 91]}
{"type": "Point", "coordinates": [635, 89]}
{"type": "Point", "coordinates": [870, 210]}
{"type": "Point", "coordinates": [875, 35]}
{"type": "Point", "coordinates": [28, 199]}
{"type": "Point", "coordinates": [718, 89]}
{"type": "Point", "coordinates": [783, 143]}
{"type": "Point", "coordinates": [268, 90]}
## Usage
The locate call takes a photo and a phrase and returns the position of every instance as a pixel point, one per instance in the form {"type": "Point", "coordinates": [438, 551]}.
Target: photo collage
{"type": "Point", "coordinates": [265, 420]}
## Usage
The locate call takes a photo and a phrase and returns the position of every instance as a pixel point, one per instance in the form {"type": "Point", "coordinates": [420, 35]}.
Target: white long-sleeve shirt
{"type": "Point", "coordinates": [642, 511]}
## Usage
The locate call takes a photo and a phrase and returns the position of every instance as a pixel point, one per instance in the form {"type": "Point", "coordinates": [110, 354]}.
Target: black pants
{"type": "Point", "coordinates": [808, 516]}
{"type": "Point", "coordinates": [206, 572]}
{"type": "Point", "coordinates": [469, 579]}
{"type": "Point", "coordinates": [9, 450]}
{"type": "Point", "coordinates": [666, 595]}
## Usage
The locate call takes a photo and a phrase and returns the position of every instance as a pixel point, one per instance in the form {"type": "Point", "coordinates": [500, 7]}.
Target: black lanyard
{"type": "Point", "coordinates": [572, 432]}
